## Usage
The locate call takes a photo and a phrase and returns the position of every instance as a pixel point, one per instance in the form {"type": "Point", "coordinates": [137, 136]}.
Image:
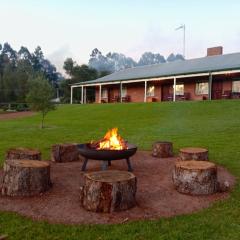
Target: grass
{"type": "Point", "coordinates": [215, 125]}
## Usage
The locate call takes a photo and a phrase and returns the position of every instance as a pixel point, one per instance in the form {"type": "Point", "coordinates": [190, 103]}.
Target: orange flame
{"type": "Point", "coordinates": [113, 141]}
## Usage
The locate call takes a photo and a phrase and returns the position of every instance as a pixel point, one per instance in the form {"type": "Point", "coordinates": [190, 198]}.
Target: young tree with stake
{"type": "Point", "coordinates": [39, 96]}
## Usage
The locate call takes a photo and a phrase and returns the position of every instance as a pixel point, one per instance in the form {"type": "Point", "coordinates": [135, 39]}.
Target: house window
{"type": "Point", "coordinates": [201, 88]}
{"type": "Point", "coordinates": [104, 93]}
{"type": "Point", "coordinates": [150, 91]}
{"type": "Point", "coordinates": [180, 89]}
{"type": "Point", "coordinates": [236, 86]}
{"type": "Point", "coordinates": [124, 91]}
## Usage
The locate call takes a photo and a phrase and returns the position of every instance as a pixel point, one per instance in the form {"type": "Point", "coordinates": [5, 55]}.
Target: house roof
{"type": "Point", "coordinates": [180, 67]}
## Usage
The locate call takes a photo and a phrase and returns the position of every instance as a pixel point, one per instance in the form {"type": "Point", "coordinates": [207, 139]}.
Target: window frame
{"type": "Point", "coordinates": [152, 92]}
{"type": "Point", "coordinates": [182, 93]}
{"type": "Point", "coordinates": [197, 88]}
{"type": "Point", "coordinates": [236, 81]}
{"type": "Point", "coordinates": [104, 93]}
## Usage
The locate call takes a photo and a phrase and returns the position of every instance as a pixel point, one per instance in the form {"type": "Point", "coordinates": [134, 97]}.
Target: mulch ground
{"type": "Point", "coordinates": [14, 115]}
{"type": "Point", "coordinates": [156, 196]}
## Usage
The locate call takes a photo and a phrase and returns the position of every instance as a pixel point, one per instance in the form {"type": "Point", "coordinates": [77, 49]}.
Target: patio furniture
{"type": "Point", "coordinates": [185, 96]}
{"type": "Point", "coordinates": [170, 97]}
{"type": "Point", "coordinates": [127, 98]}
{"type": "Point", "coordinates": [227, 94]}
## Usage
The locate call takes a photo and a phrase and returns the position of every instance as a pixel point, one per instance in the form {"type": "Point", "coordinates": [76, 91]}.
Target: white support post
{"type": "Point", "coordinates": [71, 101]}
{"type": "Point", "coordinates": [100, 93]}
{"type": "Point", "coordinates": [174, 89]}
{"type": "Point", "coordinates": [82, 96]}
{"type": "Point", "coordinates": [210, 87]}
{"type": "Point", "coordinates": [145, 91]}
{"type": "Point", "coordinates": [85, 95]}
{"type": "Point", "coordinates": [120, 91]}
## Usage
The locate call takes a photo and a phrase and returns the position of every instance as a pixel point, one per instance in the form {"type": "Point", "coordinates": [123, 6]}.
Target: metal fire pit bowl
{"type": "Point", "coordinates": [106, 155]}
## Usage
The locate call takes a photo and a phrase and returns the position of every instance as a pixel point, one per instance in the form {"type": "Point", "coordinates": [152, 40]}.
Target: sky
{"type": "Point", "coordinates": [73, 28]}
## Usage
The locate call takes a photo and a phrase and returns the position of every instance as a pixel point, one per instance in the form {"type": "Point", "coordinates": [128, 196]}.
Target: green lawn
{"type": "Point", "coordinates": [215, 125]}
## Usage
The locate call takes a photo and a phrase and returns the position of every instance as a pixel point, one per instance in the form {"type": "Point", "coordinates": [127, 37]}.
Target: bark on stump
{"type": "Point", "coordinates": [23, 153]}
{"type": "Point", "coordinates": [109, 191]}
{"type": "Point", "coordinates": [65, 152]}
{"type": "Point", "coordinates": [25, 177]}
{"type": "Point", "coordinates": [162, 149]}
{"type": "Point", "coordinates": [191, 153]}
{"type": "Point", "coordinates": [195, 177]}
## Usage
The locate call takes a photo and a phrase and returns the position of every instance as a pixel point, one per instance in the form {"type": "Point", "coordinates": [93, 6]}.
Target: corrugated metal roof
{"type": "Point", "coordinates": [198, 65]}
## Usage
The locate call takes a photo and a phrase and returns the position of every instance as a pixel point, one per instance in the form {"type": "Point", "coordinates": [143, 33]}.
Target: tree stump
{"type": "Point", "coordinates": [109, 191]}
{"type": "Point", "coordinates": [162, 149]}
{"type": "Point", "coordinates": [65, 152]}
{"type": "Point", "coordinates": [195, 177]}
{"type": "Point", "coordinates": [192, 153]}
{"type": "Point", "coordinates": [23, 153]}
{"type": "Point", "coordinates": [25, 177]}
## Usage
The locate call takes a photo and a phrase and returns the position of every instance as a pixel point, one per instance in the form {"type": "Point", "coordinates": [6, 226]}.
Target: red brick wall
{"type": "Point", "coordinates": [136, 90]}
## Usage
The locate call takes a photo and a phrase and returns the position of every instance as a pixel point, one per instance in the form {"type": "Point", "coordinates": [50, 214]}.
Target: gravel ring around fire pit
{"type": "Point", "coordinates": [156, 196]}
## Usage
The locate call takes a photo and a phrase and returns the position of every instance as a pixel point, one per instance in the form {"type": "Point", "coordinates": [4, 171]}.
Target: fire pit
{"type": "Point", "coordinates": [111, 147]}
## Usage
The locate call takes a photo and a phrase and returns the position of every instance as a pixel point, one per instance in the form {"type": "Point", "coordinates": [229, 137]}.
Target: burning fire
{"type": "Point", "coordinates": [112, 141]}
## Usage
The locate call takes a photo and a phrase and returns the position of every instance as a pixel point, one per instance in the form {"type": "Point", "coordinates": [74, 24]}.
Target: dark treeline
{"type": "Point", "coordinates": [18, 67]}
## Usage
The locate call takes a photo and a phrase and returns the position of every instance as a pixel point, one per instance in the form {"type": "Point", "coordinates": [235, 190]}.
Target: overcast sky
{"type": "Point", "coordinates": [72, 28]}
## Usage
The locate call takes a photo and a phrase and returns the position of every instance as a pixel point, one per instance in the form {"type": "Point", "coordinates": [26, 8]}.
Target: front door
{"type": "Point", "coordinates": [110, 94]}
{"type": "Point", "coordinates": [217, 88]}
{"type": "Point", "coordinates": [166, 92]}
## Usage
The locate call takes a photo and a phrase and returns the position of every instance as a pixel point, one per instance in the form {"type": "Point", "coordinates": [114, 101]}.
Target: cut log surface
{"type": "Point", "coordinates": [23, 153]}
{"type": "Point", "coordinates": [192, 153]}
{"type": "Point", "coordinates": [195, 177]}
{"type": "Point", "coordinates": [67, 152]}
{"type": "Point", "coordinates": [162, 149]}
{"type": "Point", "coordinates": [25, 177]}
{"type": "Point", "coordinates": [109, 191]}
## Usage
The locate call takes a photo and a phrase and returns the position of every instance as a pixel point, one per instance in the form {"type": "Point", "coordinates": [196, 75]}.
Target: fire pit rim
{"type": "Point", "coordinates": [106, 154]}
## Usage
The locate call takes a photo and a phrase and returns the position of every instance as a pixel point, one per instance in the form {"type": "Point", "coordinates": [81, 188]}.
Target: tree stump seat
{"type": "Point", "coordinates": [109, 191]}
{"type": "Point", "coordinates": [25, 177]}
{"type": "Point", "coordinates": [193, 153]}
{"type": "Point", "coordinates": [23, 153]}
{"type": "Point", "coordinates": [67, 152]}
{"type": "Point", "coordinates": [162, 149]}
{"type": "Point", "coordinates": [195, 177]}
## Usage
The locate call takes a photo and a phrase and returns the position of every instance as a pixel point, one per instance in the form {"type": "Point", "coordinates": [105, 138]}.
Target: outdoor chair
{"type": "Point", "coordinates": [227, 94]}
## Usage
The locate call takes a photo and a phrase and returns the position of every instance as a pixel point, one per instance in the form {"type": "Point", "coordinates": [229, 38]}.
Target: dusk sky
{"type": "Point", "coordinates": [71, 28]}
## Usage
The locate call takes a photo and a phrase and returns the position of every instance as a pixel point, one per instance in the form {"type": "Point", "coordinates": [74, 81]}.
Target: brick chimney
{"type": "Point", "coordinates": [215, 51]}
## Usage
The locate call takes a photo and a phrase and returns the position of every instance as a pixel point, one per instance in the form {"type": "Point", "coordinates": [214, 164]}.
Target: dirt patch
{"type": "Point", "coordinates": [14, 115]}
{"type": "Point", "coordinates": [156, 196]}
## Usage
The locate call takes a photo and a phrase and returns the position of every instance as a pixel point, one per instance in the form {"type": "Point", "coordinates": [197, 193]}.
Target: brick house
{"type": "Point", "coordinates": [215, 76]}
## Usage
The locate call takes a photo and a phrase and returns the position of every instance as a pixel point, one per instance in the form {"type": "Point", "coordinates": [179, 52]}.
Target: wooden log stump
{"type": "Point", "coordinates": [192, 153]}
{"type": "Point", "coordinates": [195, 177]}
{"type": "Point", "coordinates": [162, 149]}
{"type": "Point", "coordinates": [25, 177]}
{"type": "Point", "coordinates": [109, 191]}
{"type": "Point", "coordinates": [23, 153]}
{"type": "Point", "coordinates": [67, 152]}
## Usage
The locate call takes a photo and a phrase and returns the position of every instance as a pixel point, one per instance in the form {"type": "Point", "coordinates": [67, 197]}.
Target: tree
{"type": "Point", "coordinates": [149, 58]}
{"type": "Point", "coordinates": [68, 66]}
{"type": "Point", "coordinates": [40, 95]}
